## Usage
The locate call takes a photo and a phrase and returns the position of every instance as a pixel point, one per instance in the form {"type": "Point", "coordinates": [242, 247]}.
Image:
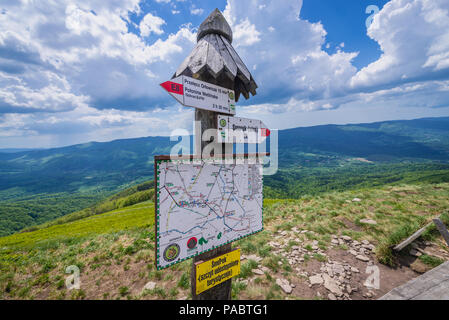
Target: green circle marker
{"type": "Point", "coordinates": [171, 252]}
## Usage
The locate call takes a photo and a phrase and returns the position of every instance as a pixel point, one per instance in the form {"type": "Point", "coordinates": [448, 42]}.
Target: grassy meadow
{"type": "Point", "coordinates": [115, 250]}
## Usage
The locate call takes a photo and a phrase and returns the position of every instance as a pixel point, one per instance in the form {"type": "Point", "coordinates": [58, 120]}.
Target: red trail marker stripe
{"type": "Point", "coordinates": [265, 132]}
{"type": "Point", "coordinates": [173, 87]}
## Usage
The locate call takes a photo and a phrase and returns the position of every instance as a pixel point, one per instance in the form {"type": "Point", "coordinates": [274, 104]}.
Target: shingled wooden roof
{"type": "Point", "coordinates": [214, 59]}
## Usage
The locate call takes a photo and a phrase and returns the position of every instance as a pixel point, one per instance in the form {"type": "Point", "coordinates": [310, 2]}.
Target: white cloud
{"type": "Point", "coordinates": [290, 60]}
{"type": "Point", "coordinates": [196, 11]}
{"type": "Point", "coordinates": [245, 33]}
{"type": "Point", "coordinates": [150, 24]}
{"type": "Point", "coordinates": [53, 94]}
{"type": "Point", "coordinates": [88, 45]}
{"type": "Point", "coordinates": [295, 72]}
{"type": "Point", "coordinates": [75, 71]}
{"type": "Point", "coordinates": [414, 38]}
{"type": "Point", "coordinates": [76, 65]}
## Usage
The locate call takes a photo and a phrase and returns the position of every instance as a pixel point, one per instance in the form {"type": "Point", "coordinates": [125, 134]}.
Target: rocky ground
{"type": "Point", "coordinates": [346, 270]}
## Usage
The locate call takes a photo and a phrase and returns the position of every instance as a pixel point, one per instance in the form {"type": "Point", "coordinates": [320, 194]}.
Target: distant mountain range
{"type": "Point", "coordinates": [15, 150]}
{"type": "Point", "coordinates": [42, 185]}
{"type": "Point", "coordinates": [111, 164]}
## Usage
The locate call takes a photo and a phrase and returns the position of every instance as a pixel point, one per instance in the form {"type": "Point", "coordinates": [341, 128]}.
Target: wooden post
{"type": "Point", "coordinates": [207, 120]}
{"type": "Point", "coordinates": [214, 60]}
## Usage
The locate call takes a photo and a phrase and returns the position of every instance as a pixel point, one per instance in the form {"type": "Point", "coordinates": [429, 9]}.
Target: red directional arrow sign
{"type": "Point", "coordinates": [173, 87]}
{"type": "Point", "coordinates": [201, 95]}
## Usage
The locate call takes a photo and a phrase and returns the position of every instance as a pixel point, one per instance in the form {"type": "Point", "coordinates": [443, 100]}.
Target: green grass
{"type": "Point", "coordinates": [430, 260]}
{"type": "Point", "coordinates": [139, 215]}
{"type": "Point", "coordinates": [25, 211]}
{"type": "Point", "coordinates": [123, 291]}
{"type": "Point", "coordinates": [115, 242]}
{"type": "Point", "coordinates": [184, 281]}
{"type": "Point", "coordinates": [126, 198]}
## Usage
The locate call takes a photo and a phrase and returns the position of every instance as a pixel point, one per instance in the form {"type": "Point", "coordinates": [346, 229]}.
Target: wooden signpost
{"type": "Point", "coordinates": [211, 79]}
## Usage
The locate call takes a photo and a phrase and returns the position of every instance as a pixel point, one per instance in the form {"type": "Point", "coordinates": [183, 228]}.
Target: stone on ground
{"type": "Point", "coordinates": [285, 286]}
{"type": "Point", "coordinates": [316, 279]}
{"type": "Point", "coordinates": [331, 285]}
{"type": "Point", "coordinates": [368, 221]}
{"type": "Point", "coordinates": [331, 296]}
{"type": "Point", "coordinates": [258, 272]}
{"type": "Point", "coordinates": [362, 258]}
{"type": "Point", "coordinates": [150, 286]}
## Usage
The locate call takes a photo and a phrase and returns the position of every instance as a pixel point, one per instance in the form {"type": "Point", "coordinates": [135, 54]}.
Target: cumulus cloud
{"type": "Point", "coordinates": [76, 67]}
{"type": "Point", "coordinates": [150, 24]}
{"type": "Point", "coordinates": [414, 38]}
{"type": "Point", "coordinates": [51, 93]}
{"type": "Point", "coordinates": [54, 57]}
{"type": "Point", "coordinates": [93, 67]}
{"type": "Point", "coordinates": [296, 73]}
{"type": "Point", "coordinates": [196, 11]}
{"type": "Point", "coordinates": [290, 60]}
{"type": "Point", "coordinates": [245, 34]}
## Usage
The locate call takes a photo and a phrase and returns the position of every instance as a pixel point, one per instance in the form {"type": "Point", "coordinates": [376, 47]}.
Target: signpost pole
{"type": "Point", "coordinates": [214, 61]}
{"type": "Point", "coordinates": [207, 120]}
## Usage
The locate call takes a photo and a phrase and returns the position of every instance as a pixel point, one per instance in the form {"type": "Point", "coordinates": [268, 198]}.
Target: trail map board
{"type": "Point", "coordinates": [203, 205]}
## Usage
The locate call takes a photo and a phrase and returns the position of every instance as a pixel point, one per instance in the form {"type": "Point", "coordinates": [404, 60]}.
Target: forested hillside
{"type": "Point", "coordinates": [41, 185]}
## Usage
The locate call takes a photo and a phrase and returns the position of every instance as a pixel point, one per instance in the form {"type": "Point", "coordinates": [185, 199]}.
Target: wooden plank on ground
{"type": "Point", "coordinates": [433, 285]}
{"type": "Point", "coordinates": [412, 238]}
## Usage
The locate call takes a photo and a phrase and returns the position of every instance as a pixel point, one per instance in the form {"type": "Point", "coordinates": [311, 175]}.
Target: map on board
{"type": "Point", "coordinates": [204, 205]}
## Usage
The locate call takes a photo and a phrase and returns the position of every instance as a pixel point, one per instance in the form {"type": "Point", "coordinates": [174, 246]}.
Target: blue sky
{"type": "Point", "coordinates": [74, 71]}
{"type": "Point", "coordinates": [345, 23]}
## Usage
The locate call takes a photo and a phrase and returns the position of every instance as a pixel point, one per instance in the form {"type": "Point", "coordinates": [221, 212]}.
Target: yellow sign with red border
{"type": "Point", "coordinates": [215, 271]}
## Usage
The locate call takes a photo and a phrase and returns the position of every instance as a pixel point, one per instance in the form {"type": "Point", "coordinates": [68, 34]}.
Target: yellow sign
{"type": "Point", "coordinates": [217, 270]}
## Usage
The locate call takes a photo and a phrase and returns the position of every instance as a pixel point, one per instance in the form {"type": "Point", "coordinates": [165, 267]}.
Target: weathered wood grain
{"type": "Point", "coordinates": [442, 229]}
{"type": "Point", "coordinates": [228, 62]}
{"type": "Point", "coordinates": [214, 58]}
{"type": "Point", "coordinates": [240, 65]}
{"type": "Point", "coordinates": [215, 23]}
{"type": "Point", "coordinates": [198, 61]}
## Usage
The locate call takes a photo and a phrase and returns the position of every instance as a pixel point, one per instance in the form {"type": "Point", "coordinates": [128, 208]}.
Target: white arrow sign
{"type": "Point", "coordinates": [202, 95]}
{"type": "Point", "coordinates": [241, 130]}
